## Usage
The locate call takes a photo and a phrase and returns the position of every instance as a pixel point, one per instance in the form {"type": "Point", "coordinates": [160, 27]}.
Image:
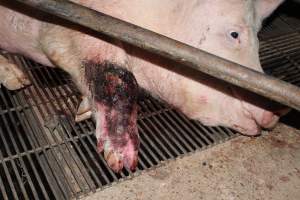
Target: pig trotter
{"type": "Point", "coordinates": [11, 76]}
{"type": "Point", "coordinates": [84, 110]}
{"type": "Point", "coordinates": [115, 92]}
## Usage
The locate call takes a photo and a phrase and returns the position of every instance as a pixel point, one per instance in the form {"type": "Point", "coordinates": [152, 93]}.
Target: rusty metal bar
{"type": "Point", "coordinates": [194, 60]}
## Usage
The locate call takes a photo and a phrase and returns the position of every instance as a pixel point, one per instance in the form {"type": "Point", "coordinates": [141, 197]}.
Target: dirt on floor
{"type": "Point", "coordinates": [264, 167]}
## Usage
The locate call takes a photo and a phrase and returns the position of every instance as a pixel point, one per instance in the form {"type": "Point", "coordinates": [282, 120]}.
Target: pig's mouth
{"type": "Point", "coordinates": [263, 112]}
{"type": "Point", "coordinates": [114, 91]}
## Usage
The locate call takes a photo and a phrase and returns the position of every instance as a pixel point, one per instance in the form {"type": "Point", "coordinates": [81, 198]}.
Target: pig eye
{"type": "Point", "coordinates": [234, 35]}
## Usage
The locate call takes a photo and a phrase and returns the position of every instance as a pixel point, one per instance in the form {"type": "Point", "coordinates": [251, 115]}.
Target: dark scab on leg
{"type": "Point", "coordinates": [111, 83]}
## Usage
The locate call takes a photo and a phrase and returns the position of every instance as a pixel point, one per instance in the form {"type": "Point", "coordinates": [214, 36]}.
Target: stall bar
{"type": "Point", "coordinates": [195, 61]}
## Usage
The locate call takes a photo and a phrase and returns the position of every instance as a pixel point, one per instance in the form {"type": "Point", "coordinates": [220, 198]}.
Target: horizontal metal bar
{"type": "Point", "coordinates": [197, 60]}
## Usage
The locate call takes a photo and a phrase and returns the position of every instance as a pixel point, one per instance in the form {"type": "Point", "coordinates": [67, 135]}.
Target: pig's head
{"type": "Point", "coordinates": [230, 31]}
{"type": "Point", "coordinates": [227, 29]}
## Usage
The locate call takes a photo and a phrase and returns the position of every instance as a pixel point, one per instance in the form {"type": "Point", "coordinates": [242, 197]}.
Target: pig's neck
{"type": "Point", "coordinates": [160, 82]}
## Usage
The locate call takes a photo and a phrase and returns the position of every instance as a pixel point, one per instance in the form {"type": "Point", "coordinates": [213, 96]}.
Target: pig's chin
{"type": "Point", "coordinates": [248, 126]}
{"type": "Point", "coordinates": [230, 112]}
{"type": "Point", "coordinates": [243, 117]}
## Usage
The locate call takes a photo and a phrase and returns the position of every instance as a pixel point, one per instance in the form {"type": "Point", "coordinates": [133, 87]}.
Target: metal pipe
{"type": "Point", "coordinates": [194, 61]}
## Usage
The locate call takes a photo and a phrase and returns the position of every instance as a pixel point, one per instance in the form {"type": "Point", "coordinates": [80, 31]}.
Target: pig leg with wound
{"type": "Point", "coordinates": [110, 89]}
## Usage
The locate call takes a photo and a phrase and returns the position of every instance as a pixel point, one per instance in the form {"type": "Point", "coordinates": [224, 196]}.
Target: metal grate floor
{"type": "Point", "coordinates": [44, 155]}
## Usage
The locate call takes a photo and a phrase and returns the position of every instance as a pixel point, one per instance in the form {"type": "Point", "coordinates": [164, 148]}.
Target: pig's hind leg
{"type": "Point", "coordinates": [11, 76]}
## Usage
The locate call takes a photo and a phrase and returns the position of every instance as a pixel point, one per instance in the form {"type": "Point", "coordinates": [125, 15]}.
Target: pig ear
{"type": "Point", "coordinates": [265, 7]}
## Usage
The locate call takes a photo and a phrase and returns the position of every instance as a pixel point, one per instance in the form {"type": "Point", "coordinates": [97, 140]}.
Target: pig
{"type": "Point", "coordinates": [108, 72]}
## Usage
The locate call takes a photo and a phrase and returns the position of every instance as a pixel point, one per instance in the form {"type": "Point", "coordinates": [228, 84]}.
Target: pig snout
{"type": "Point", "coordinates": [264, 112]}
{"type": "Point", "coordinates": [269, 117]}
{"type": "Point", "coordinates": [114, 91]}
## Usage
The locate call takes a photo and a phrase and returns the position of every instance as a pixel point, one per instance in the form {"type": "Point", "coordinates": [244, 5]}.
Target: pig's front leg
{"type": "Point", "coordinates": [11, 76]}
{"type": "Point", "coordinates": [114, 91]}
{"type": "Point", "coordinates": [58, 45]}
